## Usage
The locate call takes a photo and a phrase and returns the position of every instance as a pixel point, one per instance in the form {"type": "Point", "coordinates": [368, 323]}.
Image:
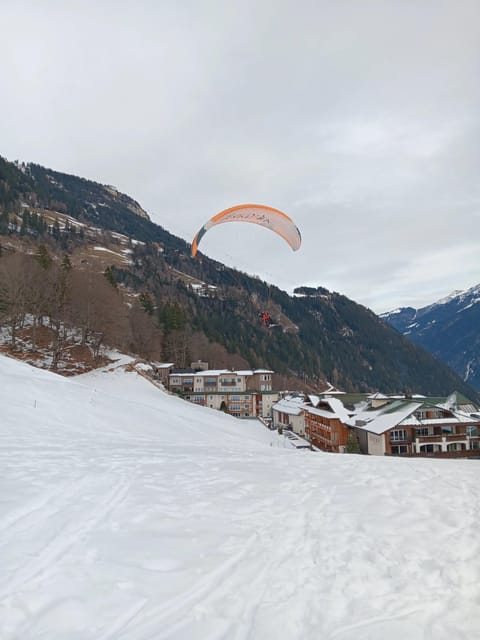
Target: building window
{"type": "Point", "coordinates": [430, 448]}
{"type": "Point", "coordinates": [455, 446]}
{"type": "Point", "coordinates": [421, 432]}
{"type": "Point", "coordinates": [399, 449]}
{"type": "Point", "coordinates": [398, 434]}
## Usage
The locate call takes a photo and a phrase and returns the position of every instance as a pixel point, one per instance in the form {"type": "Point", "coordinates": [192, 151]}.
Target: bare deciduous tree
{"type": "Point", "coordinates": [146, 336]}
{"type": "Point", "coordinates": [98, 310]}
{"type": "Point", "coordinates": [15, 285]}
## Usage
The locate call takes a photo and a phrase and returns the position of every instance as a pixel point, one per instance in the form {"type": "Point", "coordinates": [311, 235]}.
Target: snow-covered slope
{"type": "Point", "coordinates": [126, 514]}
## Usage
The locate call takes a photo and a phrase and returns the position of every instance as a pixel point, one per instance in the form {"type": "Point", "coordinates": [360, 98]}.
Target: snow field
{"type": "Point", "coordinates": [126, 513]}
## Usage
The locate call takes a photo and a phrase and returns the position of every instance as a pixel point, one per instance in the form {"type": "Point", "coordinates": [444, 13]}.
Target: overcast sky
{"type": "Point", "coordinates": [359, 119]}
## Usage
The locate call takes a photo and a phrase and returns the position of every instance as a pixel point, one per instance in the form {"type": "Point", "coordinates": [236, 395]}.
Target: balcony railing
{"type": "Point", "coordinates": [439, 437]}
{"type": "Point", "coordinates": [465, 453]}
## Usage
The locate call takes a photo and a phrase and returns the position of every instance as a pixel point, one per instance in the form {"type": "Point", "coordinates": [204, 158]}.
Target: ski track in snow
{"type": "Point", "coordinates": [126, 514]}
{"type": "Point", "coordinates": [65, 536]}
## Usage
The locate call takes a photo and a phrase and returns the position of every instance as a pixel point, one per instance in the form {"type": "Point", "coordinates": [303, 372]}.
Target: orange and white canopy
{"type": "Point", "coordinates": [260, 214]}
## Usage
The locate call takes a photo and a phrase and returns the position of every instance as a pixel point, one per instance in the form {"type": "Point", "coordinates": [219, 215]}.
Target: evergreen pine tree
{"type": "Point", "coordinates": [43, 257]}
{"type": "Point", "coordinates": [223, 407]}
{"type": "Point", "coordinates": [109, 274]}
{"type": "Point", "coordinates": [146, 303]}
{"type": "Point", "coordinates": [352, 443]}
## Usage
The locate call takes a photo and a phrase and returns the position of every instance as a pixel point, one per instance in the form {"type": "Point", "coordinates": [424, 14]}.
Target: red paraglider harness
{"type": "Point", "coordinates": [266, 318]}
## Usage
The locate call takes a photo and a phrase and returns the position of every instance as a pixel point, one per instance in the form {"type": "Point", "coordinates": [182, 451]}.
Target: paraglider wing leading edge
{"type": "Point", "coordinates": [265, 216]}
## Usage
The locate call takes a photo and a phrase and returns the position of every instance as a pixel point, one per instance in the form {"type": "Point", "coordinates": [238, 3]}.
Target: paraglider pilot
{"type": "Point", "coordinates": [266, 318]}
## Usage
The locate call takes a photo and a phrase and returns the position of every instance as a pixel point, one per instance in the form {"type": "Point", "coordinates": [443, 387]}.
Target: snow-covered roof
{"type": "Point", "coordinates": [223, 372]}
{"type": "Point", "coordinates": [291, 405]}
{"type": "Point", "coordinates": [457, 417]}
{"type": "Point", "coordinates": [143, 366]}
{"type": "Point", "coordinates": [334, 408]}
{"type": "Point", "coordinates": [385, 418]}
{"type": "Point", "coordinates": [214, 372]}
{"type": "Point", "coordinates": [210, 372]}
{"type": "Point", "coordinates": [324, 413]}
{"type": "Point", "coordinates": [262, 371]}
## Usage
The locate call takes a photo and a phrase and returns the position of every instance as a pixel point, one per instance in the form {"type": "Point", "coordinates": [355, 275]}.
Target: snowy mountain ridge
{"type": "Point", "coordinates": [459, 297]}
{"type": "Point", "coordinates": [448, 328]}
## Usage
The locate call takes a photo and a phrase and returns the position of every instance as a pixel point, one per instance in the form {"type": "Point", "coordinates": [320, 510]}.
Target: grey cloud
{"type": "Point", "coordinates": [358, 119]}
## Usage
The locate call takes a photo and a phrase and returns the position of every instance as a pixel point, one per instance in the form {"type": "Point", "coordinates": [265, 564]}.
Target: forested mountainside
{"type": "Point", "coordinates": [449, 328]}
{"type": "Point", "coordinates": [63, 231]}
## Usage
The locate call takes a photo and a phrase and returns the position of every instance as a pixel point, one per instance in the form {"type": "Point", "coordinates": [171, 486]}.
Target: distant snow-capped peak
{"type": "Point", "coordinates": [450, 297]}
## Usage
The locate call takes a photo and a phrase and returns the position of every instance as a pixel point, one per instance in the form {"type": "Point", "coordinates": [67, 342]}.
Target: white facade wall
{"type": "Point", "coordinates": [214, 400]}
{"type": "Point", "coordinates": [268, 400]}
{"type": "Point", "coordinates": [376, 444]}
{"type": "Point", "coordinates": [298, 424]}
{"type": "Point", "coordinates": [295, 422]}
{"type": "Point", "coordinates": [278, 418]}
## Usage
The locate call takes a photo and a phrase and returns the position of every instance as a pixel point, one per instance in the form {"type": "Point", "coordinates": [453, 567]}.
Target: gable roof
{"type": "Point", "coordinates": [291, 405]}
{"type": "Point", "coordinates": [385, 418]}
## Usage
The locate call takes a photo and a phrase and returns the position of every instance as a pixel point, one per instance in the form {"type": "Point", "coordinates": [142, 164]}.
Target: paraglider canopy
{"type": "Point", "coordinates": [260, 214]}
